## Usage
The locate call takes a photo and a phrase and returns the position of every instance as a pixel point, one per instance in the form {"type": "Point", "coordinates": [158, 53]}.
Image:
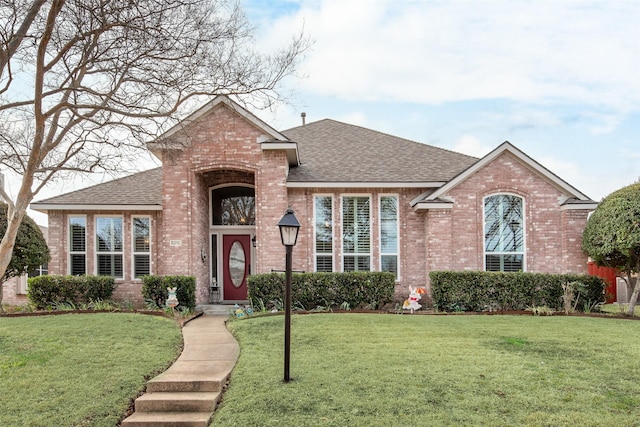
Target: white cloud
{"type": "Point", "coordinates": [470, 145]}
{"type": "Point", "coordinates": [435, 52]}
{"type": "Point", "coordinates": [355, 118]}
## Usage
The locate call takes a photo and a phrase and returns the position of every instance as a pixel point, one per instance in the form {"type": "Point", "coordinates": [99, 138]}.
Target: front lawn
{"type": "Point", "coordinates": [80, 369]}
{"type": "Point", "coordinates": [620, 309]}
{"type": "Point", "coordinates": [389, 370]}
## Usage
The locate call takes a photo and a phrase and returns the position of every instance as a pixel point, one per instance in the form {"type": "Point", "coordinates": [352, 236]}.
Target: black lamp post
{"type": "Point", "coordinates": [289, 227]}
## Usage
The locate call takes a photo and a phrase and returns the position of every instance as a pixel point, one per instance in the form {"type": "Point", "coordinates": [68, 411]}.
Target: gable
{"type": "Point", "coordinates": [178, 137]}
{"type": "Point", "coordinates": [570, 197]}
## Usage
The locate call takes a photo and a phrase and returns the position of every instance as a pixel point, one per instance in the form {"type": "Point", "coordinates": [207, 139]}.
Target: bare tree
{"type": "Point", "coordinates": [84, 83]}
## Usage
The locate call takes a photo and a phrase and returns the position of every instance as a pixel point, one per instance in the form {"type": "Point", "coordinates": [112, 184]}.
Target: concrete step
{"type": "Point", "coordinates": [178, 402]}
{"type": "Point", "coordinates": [216, 309]}
{"type": "Point", "coordinates": [168, 419]}
{"type": "Point", "coordinates": [192, 376]}
{"type": "Point", "coordinates": [188, 385]}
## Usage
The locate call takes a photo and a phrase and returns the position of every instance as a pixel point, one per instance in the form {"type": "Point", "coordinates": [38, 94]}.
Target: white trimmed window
{"type": "Point", "coordinates": [504, 233]}
{"type": "Point", "coordinates": [109, 251]}
{"type": "Point", "coordinates": [389, 234]}
{"type": "Point", "coordinates": [77, 245]}
{"type": "Point", "coordinates": [356, 233]}
{"type": "Point", "coordinates": [323, 213]}
{"type": "Point", "coordinates": [141, 234]}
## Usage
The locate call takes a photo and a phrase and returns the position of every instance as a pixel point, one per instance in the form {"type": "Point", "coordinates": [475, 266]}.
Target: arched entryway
{"type": "Point", "coordinates": [232, 234]}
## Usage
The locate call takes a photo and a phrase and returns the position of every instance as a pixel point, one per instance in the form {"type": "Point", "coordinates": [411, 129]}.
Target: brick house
{"type": "Point", "coordinates": [365, 200]}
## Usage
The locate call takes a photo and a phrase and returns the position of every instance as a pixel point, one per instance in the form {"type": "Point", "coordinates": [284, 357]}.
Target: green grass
{"type": "Point", "coordinates": [620, 309]}
{"type": "Point", "coordinates": [389, 370]}
{"type": "Point", "coordinates": [79, 369]}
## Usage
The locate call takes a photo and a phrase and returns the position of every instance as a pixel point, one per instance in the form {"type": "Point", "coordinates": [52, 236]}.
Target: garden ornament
{"type": "Point", "coordinates": [414, 296]}
{"type": "Point", "coordinates": [172, 300]}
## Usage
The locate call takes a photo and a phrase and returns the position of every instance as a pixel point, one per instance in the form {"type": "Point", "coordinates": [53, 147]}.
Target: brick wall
{"type": "Point", "coordinates": [222, 149]}
{"type": "Point", "coordinates": [552, 235]}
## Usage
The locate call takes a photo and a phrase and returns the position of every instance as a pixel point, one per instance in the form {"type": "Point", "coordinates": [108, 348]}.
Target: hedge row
{"type": "Point", "coordinates": [323, 290]}
{"type": "Point", "coordinates": [49, 290]}
{"type": "Point", "coordinates": [482, 291]}
{"type": "Point", "coordinates": [154, 289]}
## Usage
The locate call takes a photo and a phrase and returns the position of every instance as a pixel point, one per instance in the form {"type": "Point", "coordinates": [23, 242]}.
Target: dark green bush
{"type": "Point", "coordinates": [154, 288]}
{"type": "Point", "coordinates": [482, 291]}
{"type": "Point", "coordinates": [49, 290]}
{"type": "Point", "coordinates": [327, 290]}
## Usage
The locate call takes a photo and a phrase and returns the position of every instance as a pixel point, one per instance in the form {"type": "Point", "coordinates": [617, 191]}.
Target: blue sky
{"type": "Point", "coordinates": [558, 79]}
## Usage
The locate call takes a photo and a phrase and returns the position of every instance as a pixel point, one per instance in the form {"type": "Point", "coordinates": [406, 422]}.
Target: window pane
{"type": "Point", "coordinates": [109, 234]}
{"type": "Point", "coordinates": [324, 225]}
{"type": "Point", "coordinates": [141, 265]}
{"type": "Point", "coordinates": [389, 263]}
{"type": "Point", "coordinates": [78, 265]}
{"type": "Point", "coordinates": [504, 231]}
{"type": "Point", "coordinates": [357, 263]}
{"type": "Point", "coordinates": [324, 264]}
{"type": "Point", "coordinates": [506, 263]}
{"type": "Point", "coordinates": [77, 236]}
{"type": "Point", "coordinates": [356, 225]}
{"type": "Point", "coordinates": [141, 234]}
{"type": "Point", "coordinates": [110, 265]}
{"type": "Point", "coordinates": [388, 224]}
{"type": "Point", "coordinates": [233, 206]}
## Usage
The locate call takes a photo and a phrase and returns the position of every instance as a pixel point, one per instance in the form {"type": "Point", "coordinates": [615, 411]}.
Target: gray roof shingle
{"type": "Point", "coordinates": [332, 151]}
{"type": "Point", "coordinates": [142, 188]}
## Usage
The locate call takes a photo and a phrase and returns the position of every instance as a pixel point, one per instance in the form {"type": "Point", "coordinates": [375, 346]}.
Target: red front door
{"type": "Point", "coordinates": [236, 265]}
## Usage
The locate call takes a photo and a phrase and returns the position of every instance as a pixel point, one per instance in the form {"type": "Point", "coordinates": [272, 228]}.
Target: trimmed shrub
{"type": "Point", "coordinates": [323, 290]}
{"type": "Point", "coordinates": [495, 291]}
{"type": "Point", "coordinates": [154, 289]}
{"type": "Point", "coordinates": [49, 290]}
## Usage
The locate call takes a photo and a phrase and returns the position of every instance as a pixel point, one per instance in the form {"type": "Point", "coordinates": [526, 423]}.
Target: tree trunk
{"type": "Point", "coordinates": [15, 214]}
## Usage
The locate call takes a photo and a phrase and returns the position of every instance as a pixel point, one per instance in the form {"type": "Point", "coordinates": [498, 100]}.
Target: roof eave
{"type": "Point", "coordinates": [363, 184]}
{"type": "Point", "coordinates": [420, 206]}
{"type": "Point", "coordinates": [45, 207]}
{"type": "Point", "coordinates": [289, 147]}
{"type": "Point", "coordinates": [578, 206]}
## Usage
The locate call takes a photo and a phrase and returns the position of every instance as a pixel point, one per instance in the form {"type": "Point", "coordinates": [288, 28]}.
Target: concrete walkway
{"type": "Point", "coordinates": [188, 392]}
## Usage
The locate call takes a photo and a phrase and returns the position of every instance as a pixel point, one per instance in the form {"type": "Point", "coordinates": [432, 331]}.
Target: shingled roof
{"type": "Point", "coordinates": [142, 189]}
{"type": "Point", "coordinates": [332, 151]}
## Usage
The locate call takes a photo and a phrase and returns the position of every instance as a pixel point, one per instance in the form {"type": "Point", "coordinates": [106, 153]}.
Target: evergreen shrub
{"type": "Point", "coordinates": [311, 291]}
{"type": "Point", "coordinates": [495, 291]}
{"type": "Point", "coordinates": [50, 290]}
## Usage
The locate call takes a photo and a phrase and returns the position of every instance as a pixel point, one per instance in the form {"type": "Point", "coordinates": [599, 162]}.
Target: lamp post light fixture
{"type": "Point", "coordinates": [289, 227]}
